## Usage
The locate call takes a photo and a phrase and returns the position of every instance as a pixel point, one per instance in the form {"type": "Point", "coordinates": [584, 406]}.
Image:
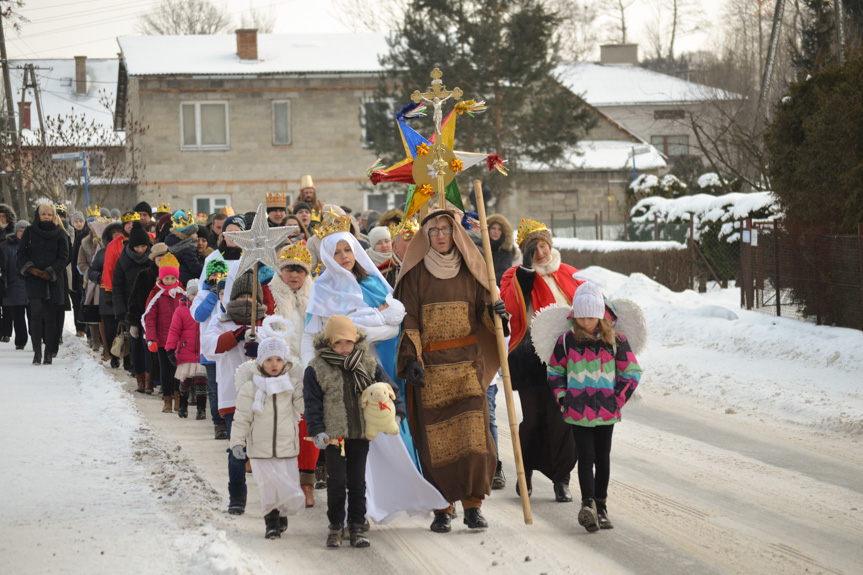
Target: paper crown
{"type": "Point", "coordinates": [297, 251]}
{"type": "Point", "coordinates": [180, 220]}
{"type": "Point", "coordinates": [227, 210]}
{"type": "Point", "coordinates": [95, 211]}
{"type": "Point", "coordinates": [201, 219]}
{"type": "Point", "coordinates": [306, 182]}
{"type": "Point", "coordinates": [163, 208]}
{"type": "Point", "coordinates": [169, 260]}
{"type": "Point", "coordinates": [527, 227]}
{"type": "Point", "coordinates": [332, 223]}
{"type": "Point", "coordinates": [406, 229]}
{"type": "Point", "coordinates": [131, 217]}
{"type": "Point", "coordinates": [277, 201]}
{"type": "Point", "coordinates": [316, 217]}
{"type": "Point", "coordinates": [60, 208]}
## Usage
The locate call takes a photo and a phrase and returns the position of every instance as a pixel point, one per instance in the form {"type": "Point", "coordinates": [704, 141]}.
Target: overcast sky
{"type": "Point", "coordinates": [67, 28]}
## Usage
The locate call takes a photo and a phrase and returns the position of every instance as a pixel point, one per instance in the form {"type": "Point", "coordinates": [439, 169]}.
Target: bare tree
{"type": "Point", "coordinates": [172, 17]}
{"type": "Point", "coordinates": [264, 21]}
{"type": "Point", "coordinates": [671, 20]}
{"type": "Point", "coordinates": [616, 12]}
{"type": "Point", "coordinates": [578, 33]}
{"type": "Point", "coordinates": [371, 16]}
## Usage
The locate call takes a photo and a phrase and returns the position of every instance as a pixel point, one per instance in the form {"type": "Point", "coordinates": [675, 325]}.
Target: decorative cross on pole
{"type": "Point", "coordinates": [436, 96]}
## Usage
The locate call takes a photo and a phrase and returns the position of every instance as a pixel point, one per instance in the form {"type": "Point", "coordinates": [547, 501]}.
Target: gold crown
{"type": "Point", "coordinates": [316, 216]}
{"type": "Point", "coordinates": [94, 211]}
{"type": "Point", "coordinates": [163, 208]}
{"type": "Point", "coordinates": [131, 217]}
{"type": "Point", "coordinates": [201, 219]}
{"type": "Point", "coordinates": [406, 229]}
{"type": "Point", "coordinates": [60, 208]}
{"type": "Point", "coordinates": [332, 222]}
{"type": "Point", "coordinates": [277, 200]}
{"type": "Point", "coordinates": [181, 220]}
{"type": "Point", "coordinates": [527, 227]}
{"type": "Point", "coordinates": [297, 251]}
{"type": "Point", "coordinates": [227, 210]}
{"type": "Point", "coordinates": [169, 260]}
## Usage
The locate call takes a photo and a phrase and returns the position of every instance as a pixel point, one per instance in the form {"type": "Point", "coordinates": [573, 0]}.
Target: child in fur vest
{"type": "Point", "coordinates": [265, 428]}
{"type": "Point", "coordinates": [592, 373]}
{"type": "Point", "coordinates": [333, 385]}
{"type": "Point", "coordinates": [164, 299]}
{"type": "Point", "coordinates": [184, 353]}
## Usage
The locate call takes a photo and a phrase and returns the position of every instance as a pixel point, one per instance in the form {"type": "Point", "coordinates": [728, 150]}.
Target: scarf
{"type": "Point", "coordinates": [443, 266]}
{"type": "Point", "coordinates": [269, 386]}
{"type": "Point", "coordinates": [136, 257]}
{"type": "Point", "coordinates": [351, 364]}
{"type": "Point", "coordinates": [240, 311]}
{"type": "Point", "coordinates": [377, 257]}
{"type": "Point", "coordinates": [229, 253]}
{"type": "Point", "coordinates": [190, 243]}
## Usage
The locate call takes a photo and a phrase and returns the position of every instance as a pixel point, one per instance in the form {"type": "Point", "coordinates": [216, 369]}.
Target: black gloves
{"type": "Point", "coordinates": [497, 307]}
{"type": "Point", "coordinates": [527, 258]}
{"type": "Point", "coordinates": [172, 357]}
{"type": "Point", "coordinates": [414, 373]}
{"type": "Point", "coordinates": [251, 349]}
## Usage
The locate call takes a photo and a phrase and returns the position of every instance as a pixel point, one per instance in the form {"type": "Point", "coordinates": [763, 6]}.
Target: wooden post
{"type": "Point", "coordinates": [501, 351]}
{"type": "Point", "coordinates": [596, 226]}
{"type": "Point", "coordinates": [574, 223]}
{"type": "Point", "coordinates": [552, 225]}
{"type": "Point", "coordinates": [776, 259]}
{"type": "Point", "coordinates": [691, 251]}
{"type": "Point", "coordinates": [655, 228]}
{"type": "Point", "coordinates": [252, 329]}
{"type": "Point", "coordinates": [601, 234]}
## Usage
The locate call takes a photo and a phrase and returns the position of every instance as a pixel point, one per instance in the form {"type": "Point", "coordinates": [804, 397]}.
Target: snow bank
{"type": "Point", "coordinates": [613, 246]}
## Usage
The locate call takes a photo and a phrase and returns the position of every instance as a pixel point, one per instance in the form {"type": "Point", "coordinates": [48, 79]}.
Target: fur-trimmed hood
{"type": "Point", "coordinates": [10, 214]}
{"type": "Point", "coordinates": [507, 230]}
{"type": "Point", "coordinates": [109, 230]}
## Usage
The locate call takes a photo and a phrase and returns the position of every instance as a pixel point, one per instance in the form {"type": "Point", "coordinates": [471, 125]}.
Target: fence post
{"type": "Point", "coordinates": [776, 258]}
{"type": "Point", "coordinates": [860, 251]}
{"type": "Point", "coordinates": [552, 223]}
{"type": "Point", "coordinates": [625, 226]}
{"type": "Point", "coordinates": [741, 276]}
{"type": "Point", "coordinates": [655, 228]}
{"type": "Point", "coordinates": [691, 252]}
{"type": "Point", "coordinates": [596, 226]}
{"type": "Point", "coordinates": [574, 221]}
{"type": "Point", "coordinates": [600, 226]}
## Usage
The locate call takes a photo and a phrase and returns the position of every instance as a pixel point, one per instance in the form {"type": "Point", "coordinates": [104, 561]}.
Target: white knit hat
{"type": "Point", "coordinates": [192, 288]}
{"type": "Point", "coordinates": [271, 346]}
{"type": "Point", "coordinates": [588, 301]}
{"type": "Point", "coordinates": [377, 234]}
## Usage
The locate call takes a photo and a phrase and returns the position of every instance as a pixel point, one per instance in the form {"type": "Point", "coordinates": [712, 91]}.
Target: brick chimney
{"type": "Point", "coordinates": [618, 54]}
{"type": "Point", "coordinates": [247, 43]}
{"type": "Point", "coordinates": [80, 74]}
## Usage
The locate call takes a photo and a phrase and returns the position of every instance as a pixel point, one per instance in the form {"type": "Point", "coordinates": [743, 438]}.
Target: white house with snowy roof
{"type": "Point", "coordinates": [232, 118]}
{"type": "Point", "coordinates": [73, 112]}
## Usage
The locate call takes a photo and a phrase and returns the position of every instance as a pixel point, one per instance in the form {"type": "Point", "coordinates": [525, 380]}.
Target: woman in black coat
{"type": "Point", "coordinates": [132, 261]}
{"type": "Point", "coordinates": [43, 254]}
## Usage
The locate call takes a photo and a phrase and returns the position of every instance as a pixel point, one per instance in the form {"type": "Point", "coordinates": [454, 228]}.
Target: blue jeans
{"type": "Point", "coordinates": [236, 468]}
{"type": "Point", "coordinates": [491, 395]}
{"type": "Point", "coordinates": [213, 389]}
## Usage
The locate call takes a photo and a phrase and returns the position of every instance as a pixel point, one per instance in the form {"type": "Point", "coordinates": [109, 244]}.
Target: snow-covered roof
{"type": "Point", "coordinates": [602, 155]}
{"type": "Point", "coordinates": [277, 54]}
{"type": "Point", "coordinates": [56, 79]}
{"type": "Point", "coordinates": [626, 85]}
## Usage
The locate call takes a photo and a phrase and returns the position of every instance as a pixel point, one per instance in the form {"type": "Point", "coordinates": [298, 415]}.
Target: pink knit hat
{"type": "Point", "coordinates": [169, 266]}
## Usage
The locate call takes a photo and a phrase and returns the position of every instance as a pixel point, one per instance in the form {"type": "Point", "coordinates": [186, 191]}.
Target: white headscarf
{"type": "Point", "coordinates": [336, 291]}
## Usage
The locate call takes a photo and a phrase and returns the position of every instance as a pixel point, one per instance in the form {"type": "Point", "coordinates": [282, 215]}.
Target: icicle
{"type": "Point", "coordinates": [496, 163]}
{"type": "Point", "coordinates": [376, 165]}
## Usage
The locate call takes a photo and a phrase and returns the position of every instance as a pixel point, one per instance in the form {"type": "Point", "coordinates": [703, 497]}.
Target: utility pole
{"type": "Point", "coordinates": [29, 81]}
{"type": "Point", "coordinates": [10, 113]}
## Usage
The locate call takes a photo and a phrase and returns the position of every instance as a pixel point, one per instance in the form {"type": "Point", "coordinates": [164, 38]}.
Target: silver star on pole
{"type": "Point", "coordinates": [260, 242]}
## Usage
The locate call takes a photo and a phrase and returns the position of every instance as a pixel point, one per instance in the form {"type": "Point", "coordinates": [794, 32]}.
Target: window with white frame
{"type": "Point", "coordinates": [204, 126]}
{"type": "Point", "coordinates": [671, 145]}
{"type": "Point", "coordinates": [211, 203]}
{"type": "Point", "coordinates": [281, 123]}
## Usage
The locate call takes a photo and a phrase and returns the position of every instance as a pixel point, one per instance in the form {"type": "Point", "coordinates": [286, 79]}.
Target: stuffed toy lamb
{"type": "Point", "coordinates": [379, 410]}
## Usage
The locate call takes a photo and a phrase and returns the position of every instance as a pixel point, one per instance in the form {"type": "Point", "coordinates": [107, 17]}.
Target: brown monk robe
{"type": "Point", "coordinates": [448, 336]}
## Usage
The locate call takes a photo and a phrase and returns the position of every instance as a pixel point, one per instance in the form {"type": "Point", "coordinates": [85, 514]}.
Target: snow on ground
{"type": "Point", "coordinates": [742, 454]}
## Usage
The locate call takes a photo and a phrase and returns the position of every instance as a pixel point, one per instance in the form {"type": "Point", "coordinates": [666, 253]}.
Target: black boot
{"type": "Point", "coordinates": [321, 476]}
{"type": "Point", "coordinates": [221, 430]}
{"type": "Point", "coordinates": [283, 524]}
{"type": "Point", "coordinates": [183, 410]}
{"type": "Point", "coordinates": [442, 523]}
{"type": "Point", "coordinates": [561, 492]}
{"type": "Point", "coordinates": [237, 505]}
{"type": "Point", "coordinates": [602, 515]}
{"type": "Point", "coordinates": [358, 536]}
{"type": "Point", "coordinates": [474, 520]}
{"type": "Point", "coordinates": [271, 520]}
{"type": "Point", "coordinates": [499, 481]}
{"type": "Point", "coordinates": [37, 355]}
{"type": "Point", "coordinates": [202, 410]}
{"type": "Point", "coordinates": [587, 516]}
{"type": "Point", "coordinates": [201, 400]}
{"type": "Point", "coordinates": [528, 474]}
{"type": "Point", "coordinates": [48, 359]}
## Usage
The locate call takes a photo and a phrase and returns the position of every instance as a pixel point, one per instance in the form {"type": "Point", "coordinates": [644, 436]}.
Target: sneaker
{"type": "Point", "coordinates": [334, 536]}
{"type": "Point", "coordinates": [587, 516]}
{"type": "Point", "coordinates": [474, 519]}
{"type": "Point", "coordinates": [499, 481]}
{"type": "Point", "coordinates": [358, 537]}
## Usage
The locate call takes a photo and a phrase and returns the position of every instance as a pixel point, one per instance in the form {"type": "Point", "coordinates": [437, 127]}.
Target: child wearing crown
{"type": "Point", "coordinates": [164, 299]}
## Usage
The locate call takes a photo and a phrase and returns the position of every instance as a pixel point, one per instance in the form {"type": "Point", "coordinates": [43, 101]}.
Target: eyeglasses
{"type": "Point", "coordinates": [447, 231]}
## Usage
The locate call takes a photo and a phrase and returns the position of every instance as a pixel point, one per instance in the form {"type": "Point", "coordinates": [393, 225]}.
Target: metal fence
{"type": "Point", "coordinates": [597, 228]}
{"type": "Point", "coordinates": [802, 274]}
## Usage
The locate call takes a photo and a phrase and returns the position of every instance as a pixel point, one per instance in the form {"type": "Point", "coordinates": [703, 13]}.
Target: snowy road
{"type": "Point", "coordinates": [98, 480]}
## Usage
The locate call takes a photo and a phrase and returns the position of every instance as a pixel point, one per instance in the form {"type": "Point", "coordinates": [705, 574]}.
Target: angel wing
{"type": "Point", "coordinates": [546, 327]}
{"type": "Point", "coordinates": [631, 323]}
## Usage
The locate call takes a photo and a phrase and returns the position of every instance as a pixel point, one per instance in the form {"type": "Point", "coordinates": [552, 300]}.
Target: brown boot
{"type": "Point", "coordinates": [167, 407]}
{"type": "Point", "coordinates": [139, 377]}
{"type": "Point", "coordinates": [148, 384]}
{"type": "Point", "coordinates": [176, 401]}
{"type": "Point", "coordinates": [309, 492]}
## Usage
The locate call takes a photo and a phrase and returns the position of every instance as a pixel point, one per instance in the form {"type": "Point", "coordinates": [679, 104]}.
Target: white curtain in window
{"type": "Point", "coordinates": [213, 125]}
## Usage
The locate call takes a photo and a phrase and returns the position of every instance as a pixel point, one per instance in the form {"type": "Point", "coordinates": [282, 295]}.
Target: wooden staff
{"type": "Point", "coordinates": [504, 364]}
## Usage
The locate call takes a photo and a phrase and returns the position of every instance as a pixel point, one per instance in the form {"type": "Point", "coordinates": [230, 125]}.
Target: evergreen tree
{"type": "Point", "coordinates": [817, 50]}
{"type": "Point", "coordinates": [500, 51]}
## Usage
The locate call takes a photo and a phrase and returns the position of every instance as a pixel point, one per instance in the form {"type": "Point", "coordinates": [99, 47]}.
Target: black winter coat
{"type": "Point", "coordinates": [137, 303]}
{"type": "Point", "coordinates": [129, 264]}
{"type": "Point", "coordinates": [76, 248]}
{"type": "Point", "coordinates": [47, 250]}
{"type": "Point", "coordinates": [10, 219]}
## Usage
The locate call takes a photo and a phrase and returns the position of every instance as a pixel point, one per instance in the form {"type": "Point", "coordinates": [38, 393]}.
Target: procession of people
{"type": "Point", "coordinates": [358, 356]}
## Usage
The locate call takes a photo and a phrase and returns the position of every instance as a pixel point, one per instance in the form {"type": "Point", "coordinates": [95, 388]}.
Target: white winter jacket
{"type": "Point", "coordinates": [274, 431]}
